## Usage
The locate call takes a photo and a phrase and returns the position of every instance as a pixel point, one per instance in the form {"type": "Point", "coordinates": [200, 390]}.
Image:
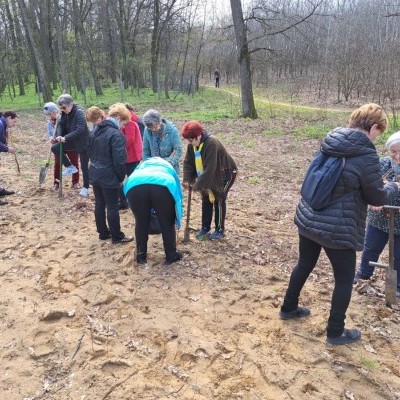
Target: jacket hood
{"type": "Point", "coordinates": [347, 142]}
{"type": "Point", "coordinates": [205, 135]}
{"type": "Point", "coordinates": [104, 124]}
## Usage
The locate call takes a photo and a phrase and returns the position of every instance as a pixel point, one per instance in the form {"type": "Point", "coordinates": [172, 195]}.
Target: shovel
{"type": "Point", "coordinates": [391, 273]}
{"type": "Point", "coordinates": [44, 168]}
{"type": "Point", "coordinates": [186, 235]}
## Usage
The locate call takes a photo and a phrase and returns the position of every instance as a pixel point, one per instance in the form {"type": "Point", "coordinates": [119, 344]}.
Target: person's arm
{"type": "Point", "coordinates": [146, 144]}
{"type": "Point", "coordinates": [81, 128]}
{"type": "Point", "coordinates": [131, 132]}
{"type": "Point", "coordinates": [176, 144]}
{"type": "Point", "coordinates": [118, 152]}
{"type": "Point", "coordinates": [189, 167]}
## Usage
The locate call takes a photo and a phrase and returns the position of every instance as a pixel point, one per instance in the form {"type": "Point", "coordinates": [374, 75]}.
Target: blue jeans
{"type": "Point", "coordinates": [375, 242]}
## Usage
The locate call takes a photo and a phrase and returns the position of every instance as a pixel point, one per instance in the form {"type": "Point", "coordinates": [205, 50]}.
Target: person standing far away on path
{"type": "Point", "coordinates": [73, 133]}
{"type": "Point", "coordinates": [51, 111]}
{"type": "Point", "coordinates": [134, 151]}
{"type": "Point", "coordinates": [377, 233]}
{"type": "Point", "coordinates": [8, 119]}
{"type": "Point", "coordinates": [107, 169]}
{"type": "Point", "coordinates": [161, 139]}
{"type": "Point", "coordinates": [210, 169]}
{"type": "Point", "coordinates": [217, 77]}
{"type": "Point", "coordinates": [339, 228]}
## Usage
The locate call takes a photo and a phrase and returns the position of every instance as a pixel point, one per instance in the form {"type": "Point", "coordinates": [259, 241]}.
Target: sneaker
{"type": "Point", "coordinates": [125, 239]}
{"type": "Point", "coordinates": [84, 192]}
{"type": "Point", "coordinates": [5, 192]}
{"type": "Point", "coordinates": [202, 232]}
{"type": "Point", "coordinates": [141, 260]}
{"type": "Point", "coordinates": [105, 236]}
{"type": "Point", "coordinates": [348, 336]}
{"type": "Point", "coordinates": [56, 185]}
{"type": "Point", "coordinates": [216, 235]}
{"type": "Point", "coordinates": [300, 312]}
{"type": "Point", "coordinates": [69, 170]}
{"type": "Point", "coordinates": [360, 276]}
{"type": "Point", "coordinates": [177, 257]}
{"type": "Point", "coordinates": [3, 203]}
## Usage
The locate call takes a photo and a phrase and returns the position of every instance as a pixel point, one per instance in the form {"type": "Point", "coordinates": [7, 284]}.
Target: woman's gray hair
{"type": "Point", "coordinates": [393, 139]}
{"type": "Point", "coordinates": [65, 100]}
{"type": "Point", "coordinates": [152, 117]}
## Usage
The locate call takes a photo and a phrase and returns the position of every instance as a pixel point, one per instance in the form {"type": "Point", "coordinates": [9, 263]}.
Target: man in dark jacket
{"type": "Point", "coordinates": [339, 227]}
{"type": "Point", "coordinates": [73, 133]}
{"type": "Point", "coordinates": [107, 171]}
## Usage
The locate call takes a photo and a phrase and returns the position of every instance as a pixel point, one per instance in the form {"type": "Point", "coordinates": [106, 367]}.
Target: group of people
{"type": "Point", "coordinates": [130, 167]}
{"type": "Point", "coordinates": [127, 169]}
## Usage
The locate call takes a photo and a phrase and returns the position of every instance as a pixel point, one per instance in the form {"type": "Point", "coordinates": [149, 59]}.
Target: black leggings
{"type": "Point", "coordinates": [142, 199]}
{"type": "Point", "coordinates": [343, 263]}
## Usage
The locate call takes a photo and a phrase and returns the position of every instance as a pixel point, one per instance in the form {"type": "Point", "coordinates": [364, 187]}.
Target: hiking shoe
{"type": "Point", "coordinates": [348, 336]}
{"type": "Point", "coordinates": [3, 203]}
{"type": "Point", "coordinates": [360, 276]}
{"type": "Point", "coordinates": [300, 312]}
{"type": "Point", "coordinates": [216, 235]}
{"type": "Point", "coordinates": [125, 239]}
{"type": "Point", "coordinates": [105, 236]}
{"type": "Point", "coordinates": [141, 260]}
{"type": "Point", "coordinates": [5, 192]}
{"type": "Point", "coordinates": [123, 206]}
{"type": "Point", "coordinates": [56, 185]}
{"type": "Point", "coordinates": [202, 232]}
{"type": "Point", "coordinates": [84, 192]}
{"type": "Point", "coordinates": [176, 257]}
{"type": "Point", "coordinates": [70, 170]}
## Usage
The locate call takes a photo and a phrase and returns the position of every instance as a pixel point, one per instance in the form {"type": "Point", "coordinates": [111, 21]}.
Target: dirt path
{"type": "Point", "coordinates": [79, 321]}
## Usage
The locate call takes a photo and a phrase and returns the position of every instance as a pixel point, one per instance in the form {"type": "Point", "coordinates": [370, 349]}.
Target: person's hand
{"type": "Point", "coordinates": [11, 150]}
{"type": "Point", "coordinates": [376, 208]}
{"type": "Point", "coordinates": [60, 139]}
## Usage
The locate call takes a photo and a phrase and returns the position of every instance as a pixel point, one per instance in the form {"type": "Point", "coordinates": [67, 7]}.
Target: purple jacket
{"type": "Point", "coordinates": [3, 136]}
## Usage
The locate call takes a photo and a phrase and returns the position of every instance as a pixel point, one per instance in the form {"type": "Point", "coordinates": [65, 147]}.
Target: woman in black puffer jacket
{"type": "Point", "coordinates": [339, 228]}
{"type": "Point", "coordinates": [107, 170]}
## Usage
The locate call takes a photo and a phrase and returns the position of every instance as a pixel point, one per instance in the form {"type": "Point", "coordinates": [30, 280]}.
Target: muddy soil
{"type": "Point", "coordinates": [80, 321]}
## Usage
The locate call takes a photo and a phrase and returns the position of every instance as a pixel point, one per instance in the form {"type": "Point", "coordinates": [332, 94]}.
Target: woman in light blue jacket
{"type": "Point", "coordinates": [161, 139]}
{"type": "Point", "coordinates": [154, 184]}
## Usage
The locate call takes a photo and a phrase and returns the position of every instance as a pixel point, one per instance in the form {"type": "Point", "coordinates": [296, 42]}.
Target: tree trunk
{"type": "Point", "coordinates": [59, 35]}
{"type": "Point", "coordinates": [248, 106]}
{"type": "Point", "coordinates": [46, 89]}
{"type": "Point", "coordinates": [155, 46]}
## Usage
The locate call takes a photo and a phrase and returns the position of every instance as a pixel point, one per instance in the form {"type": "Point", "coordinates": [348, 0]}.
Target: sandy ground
{"type": "Point", "coordinates": [80, 321]}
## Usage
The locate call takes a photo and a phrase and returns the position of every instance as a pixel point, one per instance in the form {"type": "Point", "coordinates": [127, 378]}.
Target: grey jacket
{"type": "Point", "coordinates": [341, 225]}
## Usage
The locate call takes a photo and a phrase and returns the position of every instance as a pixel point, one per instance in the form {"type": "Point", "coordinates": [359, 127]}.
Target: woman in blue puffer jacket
{"type": "Point", "coordinates": [340, 227]}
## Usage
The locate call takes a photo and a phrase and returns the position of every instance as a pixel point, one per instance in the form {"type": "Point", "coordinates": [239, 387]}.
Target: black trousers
{"type": "Point", "coordinates": [219, 204]}
{"type": "Point", "coordinates": [83, 156]}
{"type": "Point", "coordinates": [343, 263]}
{"type": "Point", "coordinates": [107, 199]}
{"type": "Point", "coordinates": [141, 200]}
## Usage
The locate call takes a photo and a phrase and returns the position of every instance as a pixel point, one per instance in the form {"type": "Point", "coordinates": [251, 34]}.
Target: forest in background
{"type": "Point", "coordinates": [338, 50]}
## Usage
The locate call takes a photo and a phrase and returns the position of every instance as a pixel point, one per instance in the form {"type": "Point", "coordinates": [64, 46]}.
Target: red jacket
{"type": "Point", "coordinates": [134, 145]}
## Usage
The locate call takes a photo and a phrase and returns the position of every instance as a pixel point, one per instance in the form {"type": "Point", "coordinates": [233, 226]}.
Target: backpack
{"type": "Point", "coordinates": [320, 180]}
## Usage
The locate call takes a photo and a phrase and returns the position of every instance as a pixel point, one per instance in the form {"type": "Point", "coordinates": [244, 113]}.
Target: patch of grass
{"type": "Point", "coordinates": [250, 144]}
{"type": "Point", "coordinates": [369, 364]}
{"type": "Point", "coordinates": [254, 180]}
{"type": "Point", "coordinates": [316, 131]}
{"type": "Point", "coordinates": [275, 131]}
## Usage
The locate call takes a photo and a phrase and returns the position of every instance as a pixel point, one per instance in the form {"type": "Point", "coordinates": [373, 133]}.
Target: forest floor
{"type": "Point", "coordinates": [80, 321]}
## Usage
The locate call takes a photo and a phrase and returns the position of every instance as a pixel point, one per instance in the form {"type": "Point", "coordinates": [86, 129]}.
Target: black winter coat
{"type": "Point", "coordinates": [74, 128]}
{"type": "Point", "coordinates": [107, 156]}
{"type": "Point", "coordinates": [341, 225]}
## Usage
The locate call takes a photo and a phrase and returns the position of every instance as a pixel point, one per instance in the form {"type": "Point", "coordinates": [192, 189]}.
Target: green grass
{"type": "Point", "coordinates": [369, 364]}
{"type": "Point", "coordinates": [253, 180]}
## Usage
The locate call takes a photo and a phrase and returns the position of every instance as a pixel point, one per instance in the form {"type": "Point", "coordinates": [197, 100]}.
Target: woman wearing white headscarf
{"type": "Point", "coordinates": [377, 232]}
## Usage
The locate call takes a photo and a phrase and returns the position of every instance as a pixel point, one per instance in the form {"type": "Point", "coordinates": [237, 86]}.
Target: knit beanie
{"type": "Point", "coordinates": [49, 108]}
{"type": "Point", "coordinates": [393, 139]}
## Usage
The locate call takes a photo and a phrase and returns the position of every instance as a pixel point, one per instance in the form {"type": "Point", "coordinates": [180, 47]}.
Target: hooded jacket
{"type": "Point", "coordinates": [341, 225]}
{"type": "Point", "coordinates": [215, 160]}
{"type": "Point", "coordinates": [3, 135]}
{"type": "Point", "coordinates": [107, 156]}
